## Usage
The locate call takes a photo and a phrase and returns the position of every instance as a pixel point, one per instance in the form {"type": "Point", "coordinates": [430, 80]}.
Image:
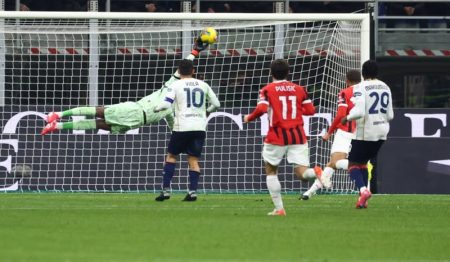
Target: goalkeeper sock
{"type": "Point", "coordinates": [80, 111]}
{"type": "Point", "coordinates": [169, 170]}
{"type": "Point", "coordinates": [274, 186]}
{"type": "Point", "coordinates": [357, 176]}
{"type": "Point", "coordinates": [78, 125]}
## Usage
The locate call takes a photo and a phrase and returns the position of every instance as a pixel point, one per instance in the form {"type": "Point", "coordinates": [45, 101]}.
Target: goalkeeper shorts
{"type": "Point", "coordinates": [124, 116]}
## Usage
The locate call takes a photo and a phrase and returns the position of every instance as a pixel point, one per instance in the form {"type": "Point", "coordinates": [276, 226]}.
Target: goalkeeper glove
{"type": "Point", "coordinates": [199, 46]}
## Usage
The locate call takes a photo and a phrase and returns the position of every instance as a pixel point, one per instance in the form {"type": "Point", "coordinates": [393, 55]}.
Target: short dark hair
{"type": "Point", "coordinates": [186, 67]}
{"type": "Point", "coordinates": [370, 69]}
{"type": "Point", "coordinates": [353, 76]}
{"type": "Point", "coordinates": [279, 69]}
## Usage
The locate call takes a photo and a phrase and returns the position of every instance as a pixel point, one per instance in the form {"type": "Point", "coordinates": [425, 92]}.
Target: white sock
{"type": "Point", "coordinates": [274, 186]}
{"type": "Point", "coordinates": [362, 189]}
{"type": "Point", "coordinates": [59, 126]}
{"type": "Point", "coordinates": [328, 171]}
{"type": "Point", "coordinates": [309, 174]}
{"type": "Point", "coordinates": [315, 186]}
{"type": "Point", "coordinates": [342, 164]}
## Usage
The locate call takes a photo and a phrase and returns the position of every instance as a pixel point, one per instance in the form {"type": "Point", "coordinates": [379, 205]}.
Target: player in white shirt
{"type": "Point", "coordinates": [372, 111]}
{"type": "Point", "coordinates": [188, 96]}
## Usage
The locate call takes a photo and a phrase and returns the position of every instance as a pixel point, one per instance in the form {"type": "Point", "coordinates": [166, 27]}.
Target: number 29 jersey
{"type": "Point", "coordinates": [287, 102]}
{"type": "Point", "coordinates": [372, 110]}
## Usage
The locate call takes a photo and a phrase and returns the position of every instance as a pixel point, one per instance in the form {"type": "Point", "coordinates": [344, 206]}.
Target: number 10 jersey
{"type": "Point", "coordinates": [189, 97]}
{"type": "Point", "coordinates": [287, 102]}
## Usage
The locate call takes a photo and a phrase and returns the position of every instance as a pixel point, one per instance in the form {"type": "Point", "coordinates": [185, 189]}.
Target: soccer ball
{"type": "Point", "coordinates": [209, 35]}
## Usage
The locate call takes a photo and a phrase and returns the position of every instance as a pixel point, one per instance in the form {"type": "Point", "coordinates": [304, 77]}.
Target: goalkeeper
{"type": "Point", "coordinates": [119, 118]}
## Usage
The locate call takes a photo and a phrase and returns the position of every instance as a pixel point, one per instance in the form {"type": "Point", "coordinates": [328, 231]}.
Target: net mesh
{"type": "Point", "coordinates": [56, 64]}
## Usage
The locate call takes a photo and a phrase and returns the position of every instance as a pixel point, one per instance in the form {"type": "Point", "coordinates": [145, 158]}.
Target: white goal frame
{"type": "Point", "coordinates": [185, 21]}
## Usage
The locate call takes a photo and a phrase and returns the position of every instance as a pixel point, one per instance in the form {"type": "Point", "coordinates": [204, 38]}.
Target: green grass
{"type": "Point", "coordinates": [133, 227]}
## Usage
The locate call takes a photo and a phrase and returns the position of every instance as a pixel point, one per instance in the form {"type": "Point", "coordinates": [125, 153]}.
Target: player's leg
{"type": "Point", "coordinates": [85, 124]}
{"type": "Point", "coordinates": [77, 111]}
{"type": "Point", "coordinates": [339, 152]}
{"type": "Point", "coordinates": [194, 148]}
{"type": "Point", "coordinates": [272, 155]}
{"type": "Point", "coordinates": [175, 147]}
{"type": "Point", "coordinates": [168, 172]}
{"type": "Point", "coordinates": [194, 176]}
{"type": "Point", "coordinates": [337, 159]}
{"type": "Point", "coordinates": [361, 153]}
{"type": "Point", "coordinates": [299, 156]}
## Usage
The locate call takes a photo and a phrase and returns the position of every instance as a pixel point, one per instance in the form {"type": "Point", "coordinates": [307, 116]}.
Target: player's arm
{"type": "Point", "coordinates": [168, 101]}
{"type": "Point", "coordinates": [359, 107]}
{"type": "Point", "coordinates": [261, 107]}
{"type": "Point", "coordinates": [390, 109]}
{"type": "Point", "coordinates": [214, 102]}
{"type": "Point", "coordinates": [198, 47]}
{"type": "Point", "coordinates": [308, 108]}
{"type": "Point", "coordinates": [340, 114]}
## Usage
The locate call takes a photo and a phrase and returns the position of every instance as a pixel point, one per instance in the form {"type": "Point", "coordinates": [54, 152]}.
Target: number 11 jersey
{"type": "Point", "coordinates": [287, 102]}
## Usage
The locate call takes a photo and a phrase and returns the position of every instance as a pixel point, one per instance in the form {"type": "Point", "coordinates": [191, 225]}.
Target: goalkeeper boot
{"type": "Point", "coordinates": [362, 200]}
{"type": "Point", "coordinates": [191, 196]}
{"type": "Point", "coordinates": [50, 127]}
{"type": "Point", "coordinates": [163, 196]}
{"type": "Point", "coordinates": [279, 212]}
{"type": "Point", "coordinates": [52, 116]}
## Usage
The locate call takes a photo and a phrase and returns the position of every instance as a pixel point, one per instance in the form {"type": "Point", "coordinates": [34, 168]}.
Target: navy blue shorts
{"type": "Point", "coordinates": [188, 142]}
{"type": "Point", "coordinates": [362, 151]}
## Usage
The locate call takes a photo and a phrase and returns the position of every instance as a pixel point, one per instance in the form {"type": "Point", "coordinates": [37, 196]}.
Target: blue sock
{"type": "Point", "coordinates": [193, 180]}
{"type": "Point", "coordinates": [356, 175]}
{"type": "Point", "coordinates": [169, 170]}
{"type": "Point", "coordinates": [365, 175]}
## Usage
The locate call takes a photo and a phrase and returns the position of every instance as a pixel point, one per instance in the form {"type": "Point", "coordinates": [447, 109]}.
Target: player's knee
{"type": "Point", "coordinates": [171, 158]}
{"type": "Point", "coordinates": [331, 164]}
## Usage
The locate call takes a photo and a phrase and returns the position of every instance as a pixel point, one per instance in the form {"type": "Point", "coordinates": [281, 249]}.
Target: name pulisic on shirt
{"type": "Point", "coordinates": [285, 88]}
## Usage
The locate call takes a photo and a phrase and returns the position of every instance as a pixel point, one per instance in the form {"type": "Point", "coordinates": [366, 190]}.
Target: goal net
{"type": "Point", "coordinates": [56, 61]}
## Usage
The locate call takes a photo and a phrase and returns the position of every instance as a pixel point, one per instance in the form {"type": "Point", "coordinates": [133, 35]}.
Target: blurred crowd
{"type": "Point", "coordinates": [425, 8]}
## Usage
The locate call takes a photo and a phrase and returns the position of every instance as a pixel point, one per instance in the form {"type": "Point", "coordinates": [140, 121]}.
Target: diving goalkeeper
{"type": "Point", "coordinates": [119, 118]}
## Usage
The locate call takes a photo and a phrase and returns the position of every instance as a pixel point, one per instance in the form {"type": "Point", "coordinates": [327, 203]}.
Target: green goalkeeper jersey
{"type": "Point", "coordinates": [148, 103]}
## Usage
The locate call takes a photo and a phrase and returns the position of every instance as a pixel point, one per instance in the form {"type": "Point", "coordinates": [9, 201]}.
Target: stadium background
{"type": "Point", "coordinates": [416, 68]}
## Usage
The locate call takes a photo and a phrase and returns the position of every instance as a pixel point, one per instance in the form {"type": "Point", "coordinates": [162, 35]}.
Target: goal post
{"type": "Point", "coordinates": [51, 61]}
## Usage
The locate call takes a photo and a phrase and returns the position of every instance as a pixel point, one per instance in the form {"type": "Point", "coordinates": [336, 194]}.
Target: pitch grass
{"type": "Point", "coordinates": [133, 227]}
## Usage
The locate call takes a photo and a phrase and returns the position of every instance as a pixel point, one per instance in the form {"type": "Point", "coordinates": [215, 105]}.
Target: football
{"type": "Point", "coordinates": [209, 35]}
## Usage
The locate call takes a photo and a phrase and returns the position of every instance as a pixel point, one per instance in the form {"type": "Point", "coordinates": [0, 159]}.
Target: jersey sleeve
{"type": "Point", "coordinates": [261, 107]}
{"type": "Point", "coordinates": [213, 100]}
{"type": "Point", "coordinates": [390, 110]}
{"type": "Point", "coordinates": [168, 100]}
{"type": "Point", "coordinates": [308, 108]}
{"type": "Point", "coordinates": [359, 102]}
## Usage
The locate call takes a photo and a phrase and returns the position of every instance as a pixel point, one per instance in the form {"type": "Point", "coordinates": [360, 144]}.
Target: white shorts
{"type": "Point", "coordinates": [342, 142]}
{"type": "Point", "coordinates": [296, 154]}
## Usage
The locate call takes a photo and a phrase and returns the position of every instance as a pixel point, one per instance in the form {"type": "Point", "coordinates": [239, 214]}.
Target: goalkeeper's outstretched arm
{"type": "Point", "coordinates": [198, 47]}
